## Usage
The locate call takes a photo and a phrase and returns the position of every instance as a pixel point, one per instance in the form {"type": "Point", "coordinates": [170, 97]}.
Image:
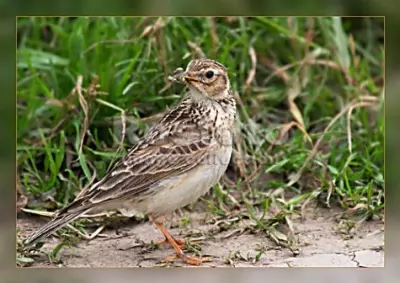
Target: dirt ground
{"type": "Point", "coordinates": [320, 244]}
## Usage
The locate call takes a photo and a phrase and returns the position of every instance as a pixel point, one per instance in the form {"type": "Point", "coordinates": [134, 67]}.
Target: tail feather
{"type": "Point", "coordinates": [52, 226]}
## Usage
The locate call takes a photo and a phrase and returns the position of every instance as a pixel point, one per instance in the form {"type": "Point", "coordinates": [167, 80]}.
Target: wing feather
{"type": "Point", "coordinates": [172, 147]}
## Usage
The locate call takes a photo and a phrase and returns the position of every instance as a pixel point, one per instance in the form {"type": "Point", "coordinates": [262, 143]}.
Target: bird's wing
{"type": "Point", "coordinates": [170, 148]}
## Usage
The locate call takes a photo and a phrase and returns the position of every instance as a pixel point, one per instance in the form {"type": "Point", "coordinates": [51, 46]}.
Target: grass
{"type": "Point", "coordinates": [310, 100]}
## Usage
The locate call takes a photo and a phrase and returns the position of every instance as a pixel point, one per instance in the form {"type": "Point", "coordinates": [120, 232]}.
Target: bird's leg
{"type": "Point", "coordinates": [159, 222]}
{"type": "Point", "coordinates": [179, 242]}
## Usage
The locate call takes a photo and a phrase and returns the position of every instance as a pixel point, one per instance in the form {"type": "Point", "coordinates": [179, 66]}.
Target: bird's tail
{"type": "Point", "coordinates": [52, 226]}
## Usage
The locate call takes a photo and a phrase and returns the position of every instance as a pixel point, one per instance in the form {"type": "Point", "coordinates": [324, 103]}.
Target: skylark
{"type": "Point", "coordinates": [176, 162]}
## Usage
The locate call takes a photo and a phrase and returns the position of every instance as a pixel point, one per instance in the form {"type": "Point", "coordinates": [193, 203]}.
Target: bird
{"type": "Point", "coordinates": [176, 162]}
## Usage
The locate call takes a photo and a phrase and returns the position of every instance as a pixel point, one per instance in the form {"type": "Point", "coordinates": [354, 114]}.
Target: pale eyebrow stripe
{"type": "Point", "coordinates": [220, 65]}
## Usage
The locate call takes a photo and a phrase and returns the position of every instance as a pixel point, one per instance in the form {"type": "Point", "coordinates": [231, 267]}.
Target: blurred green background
{"type": "Point", "coordinates": [310, 94]}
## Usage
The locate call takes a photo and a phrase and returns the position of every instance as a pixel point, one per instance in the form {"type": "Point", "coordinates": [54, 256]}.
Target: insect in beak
{"type": "Point", "coordinates": [181, 76]}
{"type": "Point", "coordinates": [177, 76]}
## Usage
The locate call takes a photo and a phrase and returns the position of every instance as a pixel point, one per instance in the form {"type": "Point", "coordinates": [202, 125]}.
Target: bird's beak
{"type": "Point", "coordinates": [188, 78]}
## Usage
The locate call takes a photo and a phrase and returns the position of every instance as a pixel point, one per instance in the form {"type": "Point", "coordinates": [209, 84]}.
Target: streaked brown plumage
{"type": "Point", "coordinates": [178, 160]}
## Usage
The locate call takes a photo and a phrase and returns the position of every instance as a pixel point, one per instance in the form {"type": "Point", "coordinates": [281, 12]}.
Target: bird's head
{"type": "Point", "coordinates": [205, 77]}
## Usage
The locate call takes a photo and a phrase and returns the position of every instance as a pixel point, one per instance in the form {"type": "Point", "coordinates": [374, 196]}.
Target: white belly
{"type": "Point", "coordinates": [182, 190]}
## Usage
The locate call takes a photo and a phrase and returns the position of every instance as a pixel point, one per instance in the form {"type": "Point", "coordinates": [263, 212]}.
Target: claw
{"type": "Point", "coordinates": [195, 260]}
{"type": "Point", "coordinates": [187, 259]}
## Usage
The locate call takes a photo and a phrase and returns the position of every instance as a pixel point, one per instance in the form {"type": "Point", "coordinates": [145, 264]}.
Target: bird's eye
{"type": "Point", "coordinates": [209, 74]}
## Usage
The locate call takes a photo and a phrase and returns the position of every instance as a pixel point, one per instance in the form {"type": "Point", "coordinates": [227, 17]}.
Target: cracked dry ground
{"type": "Point", "coordinates": [319, 244]}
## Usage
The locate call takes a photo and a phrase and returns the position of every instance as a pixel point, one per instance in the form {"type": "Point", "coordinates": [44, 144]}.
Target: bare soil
{"type": "Point", "coordinates": [320, 244]}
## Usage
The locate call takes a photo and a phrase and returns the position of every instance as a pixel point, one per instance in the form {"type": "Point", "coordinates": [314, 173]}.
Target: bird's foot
{"type": "Point", "coordinates": [187, 259]}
